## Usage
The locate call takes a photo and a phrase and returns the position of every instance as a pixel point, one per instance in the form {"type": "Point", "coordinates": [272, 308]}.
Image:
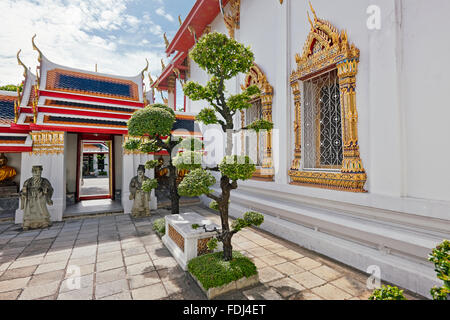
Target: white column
{"type": "Point", "coordinates": [54, 170]}
{"type": "Point", "coordinates": [130, 165]}
{"type": "Point", "coordinates": [281, 148]}
{"type": "Point", "coordinates": [95, 164]}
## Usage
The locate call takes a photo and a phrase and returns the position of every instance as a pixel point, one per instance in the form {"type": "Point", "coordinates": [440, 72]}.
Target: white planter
{"type": "Point", "coordinates": [183, 241]}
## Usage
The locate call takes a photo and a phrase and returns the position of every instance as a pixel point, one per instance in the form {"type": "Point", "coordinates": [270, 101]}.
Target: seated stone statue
{"type": "Point", "coordinates": [6, 173]}
{"type": "Point", "coordinates": [35, 196]}
{"type": "Point", "coordinates": [141, 206]}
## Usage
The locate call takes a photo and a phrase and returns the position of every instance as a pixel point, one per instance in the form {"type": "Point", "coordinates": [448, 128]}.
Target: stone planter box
{"type": "Point", "coordinates": [242, 283]}
{"type": "Point", "coordinates": [185, 243]}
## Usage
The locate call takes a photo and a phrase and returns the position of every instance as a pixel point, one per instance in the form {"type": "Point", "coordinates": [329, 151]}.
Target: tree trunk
{"type": "Point", "coordinates": [174, 197]}
{"type": "Point", "coordinates": [229, 148]}
{"type": "Point", "coordinates": [223, 208]}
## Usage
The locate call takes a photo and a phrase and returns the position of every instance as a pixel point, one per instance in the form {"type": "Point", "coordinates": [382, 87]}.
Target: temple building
{"type": "Point", "coordinates": [355, 92]}
{"type": "Point", "coordinates": [73, 123]}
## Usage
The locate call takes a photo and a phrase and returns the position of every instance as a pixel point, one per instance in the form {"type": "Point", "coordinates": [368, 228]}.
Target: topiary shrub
{"type": "Point", "coordinates": [196, 183]}
{"type": "Point", "coordinates": [188, 160]}
{"type": "Point", "coordinates": [387, 293]}
{"type": "Point", "coordinates": [212, 271]}
{"type": "Point", "coordinates": [237, 167]}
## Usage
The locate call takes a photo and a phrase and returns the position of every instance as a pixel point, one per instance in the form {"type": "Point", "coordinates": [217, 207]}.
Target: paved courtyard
{"type": "Point", "coordinates": [119, 257]}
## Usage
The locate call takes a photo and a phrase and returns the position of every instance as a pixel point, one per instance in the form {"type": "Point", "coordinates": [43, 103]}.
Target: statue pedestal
{"type": "Point", "coordinates": [9, 200]}
{"type": "Point", "coordinates": [184, 242]}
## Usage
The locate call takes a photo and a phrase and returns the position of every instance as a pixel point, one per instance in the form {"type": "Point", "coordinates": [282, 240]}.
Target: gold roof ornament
{"type": "Point", "coordinates": [166, 41]}
{"type": "Point", "coordinates": [36, 48]}
{"type": "Point", "coordinates": [194, 34]}
{"type": "Point", "coordinates": [145, 69]}
{"type": "Point", "coordinates": [313, 11]}
{"type": "Point", "coordinates": [179, 20]}
{"type": "Point", "coordinates": [163, 66]}
{"type": "Point", "coordinates": [21, 63]}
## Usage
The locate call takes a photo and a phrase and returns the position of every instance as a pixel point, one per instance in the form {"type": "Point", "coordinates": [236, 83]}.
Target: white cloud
{"type": "Point", "coordinates": [75, 33]}
{"type": "Point", "coordinates": [160, 11]}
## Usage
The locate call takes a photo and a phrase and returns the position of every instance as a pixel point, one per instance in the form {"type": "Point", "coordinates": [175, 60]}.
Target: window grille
{"type": "Point", "coordinates": [322, 119]}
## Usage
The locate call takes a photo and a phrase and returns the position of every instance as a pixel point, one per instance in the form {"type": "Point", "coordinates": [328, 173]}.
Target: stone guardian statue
{"type": "Point", "coordinates": [141, 206]}
{"type": "Point", "coordinates": [35, 196]}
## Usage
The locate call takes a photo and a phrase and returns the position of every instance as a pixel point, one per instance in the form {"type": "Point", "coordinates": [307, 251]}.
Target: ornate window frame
{"type": "Point", "coordinates": [335, 53]}
{"type": "Point", "coordinates": [257, 77]}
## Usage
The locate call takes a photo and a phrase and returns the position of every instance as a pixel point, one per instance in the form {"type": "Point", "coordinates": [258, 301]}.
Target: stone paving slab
{"type": "Point", "coordinates": [116, 257]}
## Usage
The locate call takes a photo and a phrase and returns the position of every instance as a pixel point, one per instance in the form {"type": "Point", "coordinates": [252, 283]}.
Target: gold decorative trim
{"type": "Point", "coordinates": [326, 49]}
{"type": "Point", "coordinates": [232, 20]}
{"type": "Point", "coordinates": [256, 77]}
{"type": "Point", "coordinates": [47, 142]}
{"type": "Point", "coordinates": [176, 237]}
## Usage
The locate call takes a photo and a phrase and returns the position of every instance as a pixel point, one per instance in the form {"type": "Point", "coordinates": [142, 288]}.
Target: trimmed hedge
{"type": "Point", "coordinates": [212, 271]}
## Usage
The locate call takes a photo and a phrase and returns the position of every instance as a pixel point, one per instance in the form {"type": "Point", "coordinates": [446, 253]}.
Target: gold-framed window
{"type": "Point", "coordinates": [326, 152]}
{"type": "Point", "coordinates": [261, 144]}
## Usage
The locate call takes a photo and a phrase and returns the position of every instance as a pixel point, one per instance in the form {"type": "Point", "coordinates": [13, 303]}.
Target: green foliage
{"type": "Point", "coordinates": [241, 101]}
{"type": "Point", "coordinates": [249, 219]}
{"type": "Point", "coordinates": [152, 121]}
{"type": "Point", "coordinates": [387, 293]}
{"type": "Point", "coordinates": [212, 271]}
{"type": "Point", "coordinates": [212, 244]}
{"type": "Point", "coordinates": [214, 205]}
{"type": "Point", "coordinates": [207, 116]}
{"type": "Point", "coordinates": [12, 87]}
{"type": "Point", "coordinates": [159, 225]}
{"type": "Point", "coordinates": [191, 144]}
{"type": "Point", "coordinates": [196, 183]}
{"type": "Point", "coordinates": [237, 167]}
{"type": "Point", "coordinates": [440, 256]}
{"type": "Point", "coordinates": [151, 164]}
{"type": "Point", "coordinates": [195, 226]}
{"type": "Point", "coordinates": [149, 146]}
{"type": "Point", "coordinates": [132, 144]}
{"type": "Point", "coordinates": [149, 185]}
{"type": "Point", "coordinates": [208, 92]}
{"type": "Point", "coordinates": [260, 124]}
{"type": "Point", "coordinates": [188, 160]}
{"type": "Point", "coordinates": [163, 106]}
{"type": "Point", "coordinates": [221, 56]}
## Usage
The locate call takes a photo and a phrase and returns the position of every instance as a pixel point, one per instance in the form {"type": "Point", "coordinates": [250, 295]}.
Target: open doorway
{"type": "Point", "coordinates": [95, 169]}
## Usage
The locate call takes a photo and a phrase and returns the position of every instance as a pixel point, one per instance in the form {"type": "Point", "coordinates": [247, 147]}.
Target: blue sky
{"type": "Point", "coordinates": [116, 34]}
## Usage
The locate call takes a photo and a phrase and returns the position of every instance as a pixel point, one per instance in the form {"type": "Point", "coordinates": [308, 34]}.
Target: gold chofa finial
{"type": "Point", "coordinates": [36, 48]}
{"type": "Point", "coordinates": [150, 79]}
{"type": "Point", "coordinates": [313, 11]}
{"type": "Point", "coordinates": [21, 63]}
{"type": "Point", "coordinates": [145, 69]}
{"type": "Point", "coordinates": [163, 66]}
{"type": "Point", "coordinates": [310, 22]}
{"type": "Point", "coordinates": [165, 40]}
{"type": "Point", "coordinates": [179, 20]}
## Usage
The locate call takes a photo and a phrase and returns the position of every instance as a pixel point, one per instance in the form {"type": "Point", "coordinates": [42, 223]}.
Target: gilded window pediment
{"type": "Point", "coordinates": [326, 49]}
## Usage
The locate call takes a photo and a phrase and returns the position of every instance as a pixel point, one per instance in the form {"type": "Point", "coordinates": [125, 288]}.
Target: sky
{"type": "Point", "coordinates": [117, 35]}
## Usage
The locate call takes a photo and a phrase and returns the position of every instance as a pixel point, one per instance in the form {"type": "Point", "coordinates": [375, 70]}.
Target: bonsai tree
{"type": "Point", "coordinates": [222, 58]}
{"type": "Point", "coordinates": [156, 122]}
{"type": "Point", "coordinates": [440, 256]}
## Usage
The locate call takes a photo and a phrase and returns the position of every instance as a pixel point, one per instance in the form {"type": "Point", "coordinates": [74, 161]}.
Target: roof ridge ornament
{"type": "Point", "coordinates": [179, 20]}
{"type": "Point", "coordinates": [36, 48]}
{"type": "Point", "coordinates": [163, 66]}
{"type": "Point", "coordinates": [313, 12]}
{"type": "Point", "coordinates": [21, 63]}
{"type": "Point", "coordinates": [145, 69]}
{"type": "Point", "coordinates": [166, 40]}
